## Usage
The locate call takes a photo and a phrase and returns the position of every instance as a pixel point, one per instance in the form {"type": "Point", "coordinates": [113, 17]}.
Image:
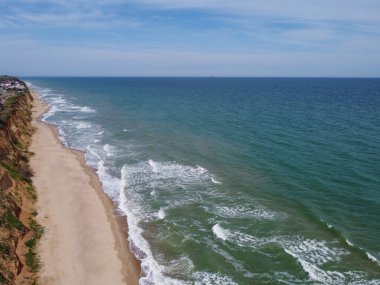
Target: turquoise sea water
{"type": "Point", "coordinates": [234, 180]}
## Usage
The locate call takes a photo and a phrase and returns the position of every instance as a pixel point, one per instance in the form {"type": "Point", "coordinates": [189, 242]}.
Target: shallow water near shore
{"type": "Point", "coordinates": [234, 180]}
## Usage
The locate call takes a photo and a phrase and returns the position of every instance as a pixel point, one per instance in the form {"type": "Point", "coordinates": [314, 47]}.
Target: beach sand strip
{"type": "Point", "coordinates": [85, 241]}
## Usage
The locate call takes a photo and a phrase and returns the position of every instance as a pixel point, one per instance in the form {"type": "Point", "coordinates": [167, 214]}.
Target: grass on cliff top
{"type": "Point", "coordinates": [7, 77]}
{"type": "Point", "coordinates": [7, 108]}
{"type": "Point", "coordinates": [11, 101]}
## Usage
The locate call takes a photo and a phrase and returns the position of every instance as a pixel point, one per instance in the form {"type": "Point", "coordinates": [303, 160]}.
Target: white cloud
{"type": "Point", "coordinates": [34, 58]}
{"type": "Point", "coordinates": [309, 10]}
{"type": "Point", "coordinates": [86, 14]}
{"type": "Point", "coordinates": [274, 38]}
{"type": "Point", "coordinates": [363, 10]}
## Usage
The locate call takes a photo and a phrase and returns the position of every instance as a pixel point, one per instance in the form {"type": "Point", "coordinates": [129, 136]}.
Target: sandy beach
{"type": "Point", "coordinates": [85, 242]}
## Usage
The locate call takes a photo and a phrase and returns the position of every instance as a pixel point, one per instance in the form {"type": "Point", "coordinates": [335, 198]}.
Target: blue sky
{"type": "Point", "coordinates": [190, 37]}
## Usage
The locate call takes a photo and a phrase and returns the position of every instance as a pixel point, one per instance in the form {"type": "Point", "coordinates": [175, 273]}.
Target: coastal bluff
{"type": "Point", "coordinates": [19, 231]}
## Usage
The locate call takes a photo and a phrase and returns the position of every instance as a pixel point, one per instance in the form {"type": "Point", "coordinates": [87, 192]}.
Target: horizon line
{"type": "Point", "coordinates": [194, 76]}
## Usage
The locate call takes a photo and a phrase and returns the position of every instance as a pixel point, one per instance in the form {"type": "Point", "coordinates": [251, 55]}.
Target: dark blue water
{"type": "Point", "coordinates": [235, 180]}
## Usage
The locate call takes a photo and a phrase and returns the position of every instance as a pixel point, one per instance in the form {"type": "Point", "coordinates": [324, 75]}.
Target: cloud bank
{"type": "Point", "coordinates": [190, 38]}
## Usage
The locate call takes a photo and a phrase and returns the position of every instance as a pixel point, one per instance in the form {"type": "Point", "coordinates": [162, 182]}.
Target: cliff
{"type": "Point", "coordinates": [19, 231]}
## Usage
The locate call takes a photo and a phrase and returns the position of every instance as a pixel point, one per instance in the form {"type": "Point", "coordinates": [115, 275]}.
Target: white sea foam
{"type": "Point", "coordinates": [372, 258]}
{"type": "Point", "coordinates": [154, 178]}
{"type": "Point", "coordinates": [109, 149]}
{"type": "Point", "coordinates": [79, 117]}
{"type": "Point", "coordinates": [83, 126]}
{"type": "Point", "coordinates": [349, 243]}
{"type": "Point", "coordinates": [153, 273]}
{"type": "Point", "coordinates": [209, 278]}
{"type": "Point", "coordinates": [215, 181]}
{"type": "Point", "coordinates": [312, 255]}
{"type": "Point", "coordinates": [62, 136]}
{"type": "Point", "coordinates": [315, 273]}
{"type": "Point", "coordinates": [181, 266]}
{"type": "Point", "coordinates": [200, 169]}
{"type": "Point", "coordinates": [87, 110]}
{"type": "Point", "coordinates": [49, 113]}
{"type": "Point", "coordinates": [153, 165]}
{"type": "Point", "coordinates": [161, 214]}
{"type": "Point", "coordinates": [165, 176]}
{"type": "Point", "coordinates": [313, 251]}
{"type": "Point", "coordinates": [58, 101]}
{"type": "Point", "coordinates": [241, 211]}
{"type": "Point", "coordinates": [220, 233]}
{"type": "Point", "coordinates": [111, 185]}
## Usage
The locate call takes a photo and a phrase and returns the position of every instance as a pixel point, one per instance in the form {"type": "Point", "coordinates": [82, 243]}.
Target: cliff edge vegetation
{"type": "Point", "coordinates": [19, 231]}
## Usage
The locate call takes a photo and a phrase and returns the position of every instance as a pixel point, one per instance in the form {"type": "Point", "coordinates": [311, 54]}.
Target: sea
{"type": "Point", "coordinates": [234, 180]}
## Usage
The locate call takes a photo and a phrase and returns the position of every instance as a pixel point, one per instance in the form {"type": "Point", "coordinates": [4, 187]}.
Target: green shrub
{"type": "Point", "coordinates": [32, 261]}
{"type": "Point", "coordinates": [31, 243]}
{"type": "Point", "coordinates": [32, 193]}
{"type": "Point", "coordinates": [13, 221]}
{"type": "Point", "coordinates": [31, 258]}
{"type": "Point", "coordinates": [37, 228]}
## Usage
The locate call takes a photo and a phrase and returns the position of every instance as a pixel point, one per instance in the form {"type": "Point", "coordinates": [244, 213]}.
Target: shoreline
{"type": "Point", "coordinates": [129, 267]}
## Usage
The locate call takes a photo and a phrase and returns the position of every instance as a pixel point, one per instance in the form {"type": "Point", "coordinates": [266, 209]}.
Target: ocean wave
{"type": "Point", "coordinates": [86, 109]}
{"type": "Point", "coordinates": [213, 179]}
{"type": "Point", "coordinates": [52, 110]}
{"type": "Point", "coordinates": [241, 211]}
{"type": "Point", "coordinates": [209, 278]}
{"type": "Point", "coordinates": [164, 176]}
{"type": "Point", "coordinates": [109, 149]}
{"type": "Point", "coordinates": [220, 233]}
{"type": "Point", "coordinates": [111, 185]}
{"type": "Point", "coordinates": [146, 182]}
{"type": "Point", "coordinates": [312, 251]}
{"type": "Point", "coordinates": [62, 136]}
{"type": "Point", "coordinates": [161, 214]}
{"type": "Point", "coordinates": [372, 258]}
{"type": "Point", "coordinates": [351, 244]}
{"type": "Point", "coordinates": [152, 271]}
{"type": "Point", "coordinates": [311, 254]}
{"type": "Point", "coordinates": [83, 126]}
{"type": "Point", "coordinates": [181, 266]}
{"type": "Point", "coordinates": [58, 100]}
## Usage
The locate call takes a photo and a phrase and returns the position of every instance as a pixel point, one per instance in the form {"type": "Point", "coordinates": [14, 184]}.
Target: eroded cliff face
{"type": "Point", "coordinates": [19, 231]}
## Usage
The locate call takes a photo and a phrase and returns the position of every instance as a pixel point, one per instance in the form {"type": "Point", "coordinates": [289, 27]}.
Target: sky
{"type": "Point", "coordinates": [323, 38]}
